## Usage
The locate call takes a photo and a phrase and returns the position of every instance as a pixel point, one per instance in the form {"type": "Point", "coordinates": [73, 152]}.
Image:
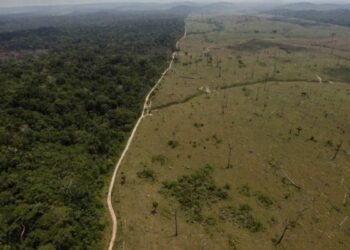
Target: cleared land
{"type": "Point", "coordinates": [248, 145]}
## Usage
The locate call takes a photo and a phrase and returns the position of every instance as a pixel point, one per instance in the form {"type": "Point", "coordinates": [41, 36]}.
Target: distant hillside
{"type": "Point", "coordinates": [57, 10]}
{"type": "Point", "coordinates": [337, 16]}
{"type": "Point", "coordinates": [250, 7]}
{"type": "Point", "coordinates": [304, 6]}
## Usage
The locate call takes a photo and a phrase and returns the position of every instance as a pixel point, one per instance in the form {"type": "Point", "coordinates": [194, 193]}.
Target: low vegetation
{"type": "Point", "coordinates": [194, 192]}
{"type": "Point", "coordinates": [160, 159]}
{"type": "Point", "coordinates": [147, 174]}
{"type": "Point", "coordinates": [241, 216]}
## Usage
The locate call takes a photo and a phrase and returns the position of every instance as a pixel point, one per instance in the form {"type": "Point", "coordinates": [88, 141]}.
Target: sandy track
{"type": "Point", "coordinates": [146, 110]}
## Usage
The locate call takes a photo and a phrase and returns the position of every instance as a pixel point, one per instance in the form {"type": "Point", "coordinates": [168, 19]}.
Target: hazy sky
{"type": "Point", "coordinates": [8, 3]}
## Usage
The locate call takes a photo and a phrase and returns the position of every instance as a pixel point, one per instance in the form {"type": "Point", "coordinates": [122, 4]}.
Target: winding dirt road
{"type": "Point", "coordinates": [146, 111]}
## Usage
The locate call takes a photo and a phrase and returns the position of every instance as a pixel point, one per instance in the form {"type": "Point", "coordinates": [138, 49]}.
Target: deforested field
{"type": "Point", "coordinates": [248, 144]}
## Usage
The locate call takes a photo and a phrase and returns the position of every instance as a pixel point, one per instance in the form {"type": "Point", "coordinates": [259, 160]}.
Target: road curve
{"type": "Point", "coordinates": [146, 110]}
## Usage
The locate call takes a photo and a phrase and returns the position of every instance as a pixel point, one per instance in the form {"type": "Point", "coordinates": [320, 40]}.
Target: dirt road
{"type": "Point", "coordinates": [145, 112]}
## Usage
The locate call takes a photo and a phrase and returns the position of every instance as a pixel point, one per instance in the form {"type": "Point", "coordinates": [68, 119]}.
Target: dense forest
{"type": "Point", "coordinates": [71, 90]}
{"type": "Point", "coordinates": [338, 16]}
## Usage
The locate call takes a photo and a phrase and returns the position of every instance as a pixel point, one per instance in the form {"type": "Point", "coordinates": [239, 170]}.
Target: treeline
{"type": "Point", "coordinates": [64, 117]}
{"type": "Point", "coordinates": [338, 17]}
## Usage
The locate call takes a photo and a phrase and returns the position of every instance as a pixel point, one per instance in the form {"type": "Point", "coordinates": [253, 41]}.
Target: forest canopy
{"type": "Point", "coordinates": [71, 90]}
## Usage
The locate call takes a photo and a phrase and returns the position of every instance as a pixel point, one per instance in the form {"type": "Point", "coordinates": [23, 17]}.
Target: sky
{"type": "Point", "coordinates": [15, 3]}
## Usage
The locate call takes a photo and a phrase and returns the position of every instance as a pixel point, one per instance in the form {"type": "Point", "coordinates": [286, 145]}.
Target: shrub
{"type": "Point", "coordinates": [122, 179]}
{"type": "Point", "coordinates": [173, 144]}
{"type": "Point", "coordinates": [147, 174]}
{"type": "Point", "coordinates": [198, 125]}
{"type": "Point", "coordinates": [264, 200]}
{"type": "Point", "coordinates": [154, 207]}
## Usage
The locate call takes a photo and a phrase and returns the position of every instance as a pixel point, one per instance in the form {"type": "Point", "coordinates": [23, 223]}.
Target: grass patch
{"type": "Point", "coordinates": [259, 44]}
{"type": "Point", "coordinates": [161, 159]}
{"type": "Point", "coordinates": [339, 72]}
{"type": "Point", "coordinates": [264, 200]}
{"type": "Point", "coordinates": [261, 198]}
{"type": "Point", "coordinates": [245, 190]}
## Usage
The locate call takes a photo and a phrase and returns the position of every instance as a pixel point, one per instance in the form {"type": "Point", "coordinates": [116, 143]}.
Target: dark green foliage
{"type": "Point", "coordinates": [195, 191]}
{"type": "Point", "coordinates": [147, 174]}
{"type": "Point", "coordinates": [64, 117]}
{"type": "Point", "coordinates": [241, 216]}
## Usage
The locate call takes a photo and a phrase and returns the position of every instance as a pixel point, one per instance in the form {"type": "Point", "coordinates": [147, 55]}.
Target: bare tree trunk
{"type": "Point", "coordinates": [23, 231]}
{"type": "Point", "coordinates": [290, 180]}
{"type": "Point", "coordinates": [283, 233]}
{"type": "Point", "coordinates": [229, 156]}
{"type": "Point", "coordinates": [337, 150]}
{"type": "Point", "coordinates": [175, 217]}
{"type": "Point", "coordinates": [288, 226]}
{"type": "Point", "coordinates": [257, 94]}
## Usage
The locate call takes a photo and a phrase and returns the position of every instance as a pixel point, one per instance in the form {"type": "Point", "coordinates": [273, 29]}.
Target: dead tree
{"type": "Point", "coordinates": [290, 180]}
{"type": "Point", "coordinates": [224, 105]}
{"type": "Point", "coordinates": [253, 72]}
{"type": "Point", "coordinates": [286, 227]}
{"type": "Point", "coordinates": [257, 94]}
{"type": "Point", "coordinates": [229, 156]}
{"type": "Point", "coordinates": [274, 68]}
{"type": "Point", "coordinates": [23, 231]}
{"type": "Point", "coordinates": [337, 150]}
{"type": "Point", "coordinates": [290, 224]}
{"type": "Point", "coordinates": [265, 81]}
{"type": "Point", "coordinates": [175, 220]}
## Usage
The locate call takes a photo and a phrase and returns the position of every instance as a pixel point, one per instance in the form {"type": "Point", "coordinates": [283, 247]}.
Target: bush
{"type": "Point", "coordinates": [244, 190]}
{"type": "Point", "coordinates": [173, 144]}
{"type": "Point", "coordinates": [264, 200]}
{"type": "Point", "coordinates": [147, 174]}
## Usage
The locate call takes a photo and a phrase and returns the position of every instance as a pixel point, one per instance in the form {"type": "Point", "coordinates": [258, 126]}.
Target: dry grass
{"type": "Point", "coordinates": [270, 143]}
